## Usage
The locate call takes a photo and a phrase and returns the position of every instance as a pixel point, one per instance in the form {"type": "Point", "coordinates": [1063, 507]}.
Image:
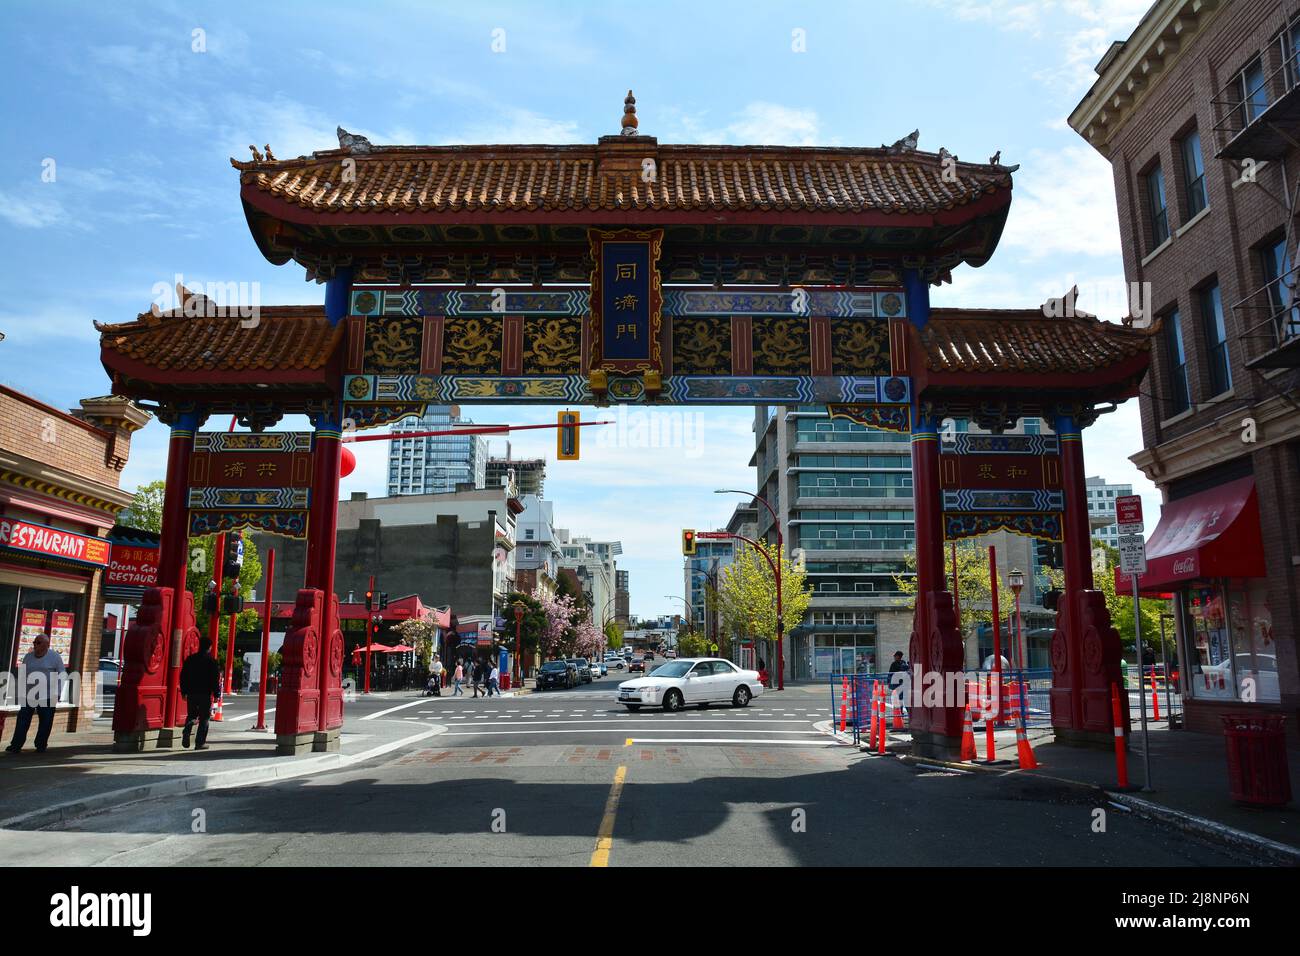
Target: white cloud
{"type": "Point", "coordinates": [1064, 204]}
{"type": "Point", "coordinates": [33, 211]}
{"type": "Point", "coordinates": [758, 123]}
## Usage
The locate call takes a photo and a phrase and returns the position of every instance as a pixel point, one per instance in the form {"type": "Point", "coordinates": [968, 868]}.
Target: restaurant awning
{"type": "Point", "coordinates": [1211, 534]}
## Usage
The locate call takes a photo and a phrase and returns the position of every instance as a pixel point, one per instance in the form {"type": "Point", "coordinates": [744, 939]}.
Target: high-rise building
{"type": "Point", "coordinates": [592, 564]}
{"type": "Point", "coordinates": [1101, 504]}
{"type": "Point", "coordinates": [843, 494]}
{"type": "Point", "coordinates": [421, 466]}
{"type": "Point", "coordinates": [702, 571]}
{"type": "Point", "coordinates": [529, 473]}
{"type": "Point", "coordinates": [622, 598]}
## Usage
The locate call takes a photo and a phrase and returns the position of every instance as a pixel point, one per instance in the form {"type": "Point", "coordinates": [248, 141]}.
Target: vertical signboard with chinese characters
{"type": "Point", "coordinates": [1001, 482]}
{"type": "Point", "coordinates": [31, 624]}
{"type": "Point", "coordinates": [61, 625]}
{"type": "Point", "coordinates": [626, 300]}
{"type": "Point", "coordinates": [261, 481]}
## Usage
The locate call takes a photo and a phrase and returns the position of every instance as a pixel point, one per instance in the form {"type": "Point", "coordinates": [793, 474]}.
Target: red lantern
{"type": "Point", "coordinates": [347, 462]}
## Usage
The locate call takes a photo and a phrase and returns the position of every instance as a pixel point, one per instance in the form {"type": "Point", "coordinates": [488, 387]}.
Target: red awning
{"type": "Point", "coordinates": [1212, 534]}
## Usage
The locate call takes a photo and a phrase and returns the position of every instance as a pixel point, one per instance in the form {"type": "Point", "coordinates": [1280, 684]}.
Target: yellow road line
{"type": "Point", "coordinates": [605, 839]}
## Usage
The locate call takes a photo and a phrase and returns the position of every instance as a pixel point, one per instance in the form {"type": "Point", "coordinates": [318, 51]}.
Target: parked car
{"type": "Point", "coordinates": [557, 674]}
{"type": "Point", "coordinates": [584, 669]}
{"type": "Point", "coordinates": [109, 670]}
{"type": "Point", "coordinates": [691, 680]}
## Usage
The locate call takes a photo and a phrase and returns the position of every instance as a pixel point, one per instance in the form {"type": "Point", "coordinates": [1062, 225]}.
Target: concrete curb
{"type": "Point", "coordinates": [1210, 831]}
{"type": "Point", "coordinates": [240, 777]}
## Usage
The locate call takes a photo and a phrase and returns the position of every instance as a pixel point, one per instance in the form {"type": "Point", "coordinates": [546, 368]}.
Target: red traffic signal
{"type": "Point", "coordinates": [370, 600]}
{"type": "Point", "coordinates": [688, 542]}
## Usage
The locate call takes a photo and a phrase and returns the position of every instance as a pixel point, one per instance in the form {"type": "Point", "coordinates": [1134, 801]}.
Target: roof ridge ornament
{"type": "Point", "coordinates": [629, 115]}
{"type": "Point", "coordinates": [905, 145]}
{"type": "Point", "coordinates": [353, 142]}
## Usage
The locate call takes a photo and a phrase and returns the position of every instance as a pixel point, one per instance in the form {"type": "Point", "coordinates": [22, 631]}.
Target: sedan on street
{"type": "Point", "coordinates": [556, 674]}
{"type": "Point", "coordinates": [691, 680]}
{"type": "Point", "coordinates": [584, 668]}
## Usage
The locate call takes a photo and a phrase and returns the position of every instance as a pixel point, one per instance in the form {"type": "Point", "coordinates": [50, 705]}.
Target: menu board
{"type": "Point", "coordinates": [61, 625]}
{"type": "Point", "coordinates": [31, 624]}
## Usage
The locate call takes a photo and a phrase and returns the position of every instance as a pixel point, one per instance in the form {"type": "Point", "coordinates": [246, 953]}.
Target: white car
{"type": "Point", "coordinates": [615, 662]}
{"type": "Point", "coordinates": [691, 680]}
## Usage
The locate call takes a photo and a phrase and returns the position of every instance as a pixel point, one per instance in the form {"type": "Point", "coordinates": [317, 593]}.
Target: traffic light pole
{"type": "Point", "coordinates": [776, 574]}
{"type": "Point", "coordinates": [214, 622]}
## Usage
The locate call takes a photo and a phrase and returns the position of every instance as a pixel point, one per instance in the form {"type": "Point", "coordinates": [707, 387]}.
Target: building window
{"type": "Point", "coordinates": [1179, 395]}
{"type": "Point", "coordinates": [1216, 340]}
{"type": "Point", "coordinates": [1253, 91]}
{"type": "Point", "coordinates": [1155, 183]}
{"type": "Point", "coordinates": [1193, 173]}
{"type": "Point", "coordinates": [1281, 289]}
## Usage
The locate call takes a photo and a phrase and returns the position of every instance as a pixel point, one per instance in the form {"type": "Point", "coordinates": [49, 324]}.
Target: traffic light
{"type": "Point", "coordinates": [232, 603]}
{"type": "Point", "coordinates": [688, 542]}
{"type": "Point", "coordinates": [566, 437]}
{"type": "Point", "coordinates": [383, 600]}
{"type": "Point", "coordinates": [210, 602]}
{"type": "Point", "coordinates": [233, 559]}
{"type": "Point", "coordinates": [370, 600]}
{"type": "Point", "coordinates": [374, 628]}
{"type": "Point", "coordinates": [1051, 600]}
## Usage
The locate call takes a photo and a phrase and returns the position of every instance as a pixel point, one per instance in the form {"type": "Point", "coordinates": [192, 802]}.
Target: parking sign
{"type": "Point", "coordinates": [1132, 554]}
{"type": "Point", "coordinates": [1128, 514]}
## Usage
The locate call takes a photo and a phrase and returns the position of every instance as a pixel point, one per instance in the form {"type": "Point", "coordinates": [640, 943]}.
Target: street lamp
{"type": "Point", "coordinates": [776, 573]}
{"type": "Point", "coordinates": [1016, 578]}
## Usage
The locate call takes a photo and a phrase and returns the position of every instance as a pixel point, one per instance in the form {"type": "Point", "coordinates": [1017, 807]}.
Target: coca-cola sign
{"type": "Point", "coordinates": [1185, 567]}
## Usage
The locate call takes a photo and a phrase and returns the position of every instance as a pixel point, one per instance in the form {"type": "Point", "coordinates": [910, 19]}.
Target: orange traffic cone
{"type": "Point", "coordinates": [967, 736]}
{"type": "Point", "coordinates": [875, 712]}
{"type": "Point", "coordinates": [1025, 752]}
{"type": "Point", "coordinates": [216, 713]}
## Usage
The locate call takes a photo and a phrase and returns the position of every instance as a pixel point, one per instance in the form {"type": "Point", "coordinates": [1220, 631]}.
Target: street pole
{"type": "Point", "coordinates": [997, 626]}
{"type": "Point", "coordinates": [519, 643]}
{"type": "Point", "coordinates": [230, 642]}
{"type": "Point", "coordinates": [1020, 652]}
{"type": "Point", "coordinates": [214, 624]}
{"type": "Point", "coordinates": [1142, 697]}
{"type": "Point", "coordinates": [1164, 662]}
{"type": "Point", "coordinates": [370, 631]}
{"type": "Point", "coordinates": [266, 640]}
{"type": "Point", "coordinates": [956, 590]}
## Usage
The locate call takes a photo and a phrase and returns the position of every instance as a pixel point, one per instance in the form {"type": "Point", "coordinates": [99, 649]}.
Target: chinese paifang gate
{"type": "Point", "coordinates": [625, 272]}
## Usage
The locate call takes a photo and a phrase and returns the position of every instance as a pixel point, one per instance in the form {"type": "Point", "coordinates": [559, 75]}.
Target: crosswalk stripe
{"type": "Point", "coordinates": [623, 730]}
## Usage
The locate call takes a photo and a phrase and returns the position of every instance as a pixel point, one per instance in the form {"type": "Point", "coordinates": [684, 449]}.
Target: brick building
{"type": "Point", "coordinates": [1197, 113]}
{"type": "Point", "coordinates": [59, 498]}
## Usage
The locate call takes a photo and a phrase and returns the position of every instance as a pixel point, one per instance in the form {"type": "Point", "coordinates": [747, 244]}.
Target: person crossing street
{"type": "Point", "coordinates": [200, 685]}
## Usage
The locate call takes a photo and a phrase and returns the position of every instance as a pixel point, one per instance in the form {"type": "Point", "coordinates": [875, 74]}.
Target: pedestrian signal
{"type": "Point", "coordinates": [234, 557]}
{"type": "Point", "coordinates": [383, 600]}
{"type": "Point", "coordinates": [688, 542]}
{"type": "Point", "coordinates": [566, 438]}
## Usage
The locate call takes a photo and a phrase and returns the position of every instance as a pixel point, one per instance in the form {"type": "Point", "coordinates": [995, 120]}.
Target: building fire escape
{"type": "Point", "coordinates": [1258, 124]}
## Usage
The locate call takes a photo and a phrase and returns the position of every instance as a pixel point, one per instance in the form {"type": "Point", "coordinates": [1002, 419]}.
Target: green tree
{"type": "Point", "coordinates": [146, 508]}
{"type": "Point", "coordinates": [973, 580]}
{"type": "Point", "coordinates": [534, 621]}
{"type": "Point", "coordinates": [694, 644]}
{"type": "Point", "coordinates": [747, 593]}
{"type": "Point", "coordinates": [1120, 605]}
{"type": "Point", "coordinates": [613, 635]}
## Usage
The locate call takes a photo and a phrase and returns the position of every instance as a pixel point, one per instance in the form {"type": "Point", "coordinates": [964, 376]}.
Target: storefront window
{"type": "Point", "coordinates": [1255, 654]}
{"type": "Point", "coordinates": [26, 612]}
{"type": "Point", "coordinates": [1210, 645]}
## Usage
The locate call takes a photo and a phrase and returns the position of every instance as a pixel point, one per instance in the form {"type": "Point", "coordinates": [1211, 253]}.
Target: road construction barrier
{"type": "Point", "coordinates": [1117, 723]}
{"type": "Point", "coordinates": [967, 736]}
{"type": "Point", "coordinates": [1023, 750]}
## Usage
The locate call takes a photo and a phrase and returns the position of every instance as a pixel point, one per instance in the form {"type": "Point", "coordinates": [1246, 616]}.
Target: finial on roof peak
{"type": "Point", "coordinates": [629, 115]}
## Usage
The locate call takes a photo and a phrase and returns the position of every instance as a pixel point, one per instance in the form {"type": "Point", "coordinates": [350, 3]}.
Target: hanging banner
{"type": "Point", "coordinates": [61, 625]}
{"type": "Point", "coordinates": [626, 300]}
{"type": "Point", "coordinates": [258, 480]}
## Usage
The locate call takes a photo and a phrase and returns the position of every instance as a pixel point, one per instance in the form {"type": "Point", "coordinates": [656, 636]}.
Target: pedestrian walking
{"type": "Point", "coordinates": [477, 676]}
{"type": "Point", "coordinates": [493, 676]}
{"type": "Point", "coordinates": [457, 678]}
{"type": "Point", "coordinates": [762, 672]}
{"type": "Point", "coordinates": [40, 676]}
{"type": "Point", "coordinates": [200, 685]}
{"type": "Point", "coordinates": [435, 679]}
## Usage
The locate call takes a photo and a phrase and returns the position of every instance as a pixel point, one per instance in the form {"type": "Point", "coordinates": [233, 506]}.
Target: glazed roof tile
{"type": "Point", "coordinates": [435, 179]}
{"type": "Point", "coordinates": [1024, 340]}
{"type": "Point", "coordinates": [285, 337]}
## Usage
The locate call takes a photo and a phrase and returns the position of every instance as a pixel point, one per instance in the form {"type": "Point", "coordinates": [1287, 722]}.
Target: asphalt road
{"type": "Point", "coordinates": [571, 778]}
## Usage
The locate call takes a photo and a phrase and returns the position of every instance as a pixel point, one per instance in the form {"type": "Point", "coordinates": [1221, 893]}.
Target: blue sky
{"type": "Point", "coordinates": [140, 128]}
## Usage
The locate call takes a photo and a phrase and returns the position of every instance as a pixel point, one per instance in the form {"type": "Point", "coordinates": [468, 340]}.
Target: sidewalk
{"type": "Point", "coordinates": [1189, 776]}
{"type": "Point", "coordinates": [80, 773]}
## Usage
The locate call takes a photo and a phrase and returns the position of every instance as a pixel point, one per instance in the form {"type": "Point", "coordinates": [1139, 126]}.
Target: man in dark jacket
{"type": "Point", "coordinates": [200, 683]}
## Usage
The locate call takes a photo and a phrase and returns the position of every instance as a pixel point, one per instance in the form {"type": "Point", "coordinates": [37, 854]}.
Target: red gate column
{"type": "Point", "coordinates": [1085, 647]}
{"type": "Point", "coordinates": [145, 710]}
{"type": "Point", "coordinates": [322, 535]}
{"type": "Point", "coordinates": [935, 648]}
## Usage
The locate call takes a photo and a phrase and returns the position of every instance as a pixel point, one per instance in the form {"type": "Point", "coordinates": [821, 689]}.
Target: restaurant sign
{"type": "Point", "coordinates": [53, 542]}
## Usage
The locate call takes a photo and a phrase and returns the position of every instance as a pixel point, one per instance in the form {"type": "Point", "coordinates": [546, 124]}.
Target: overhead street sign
{"type": "Point", "coordinates": [1132, 554]}
{"type": "Point", "coordinates": [1128, 514]}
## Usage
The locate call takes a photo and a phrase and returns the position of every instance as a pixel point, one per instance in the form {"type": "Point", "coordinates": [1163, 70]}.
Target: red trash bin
{"type": "Point", "coordinates": [1257, 768]}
